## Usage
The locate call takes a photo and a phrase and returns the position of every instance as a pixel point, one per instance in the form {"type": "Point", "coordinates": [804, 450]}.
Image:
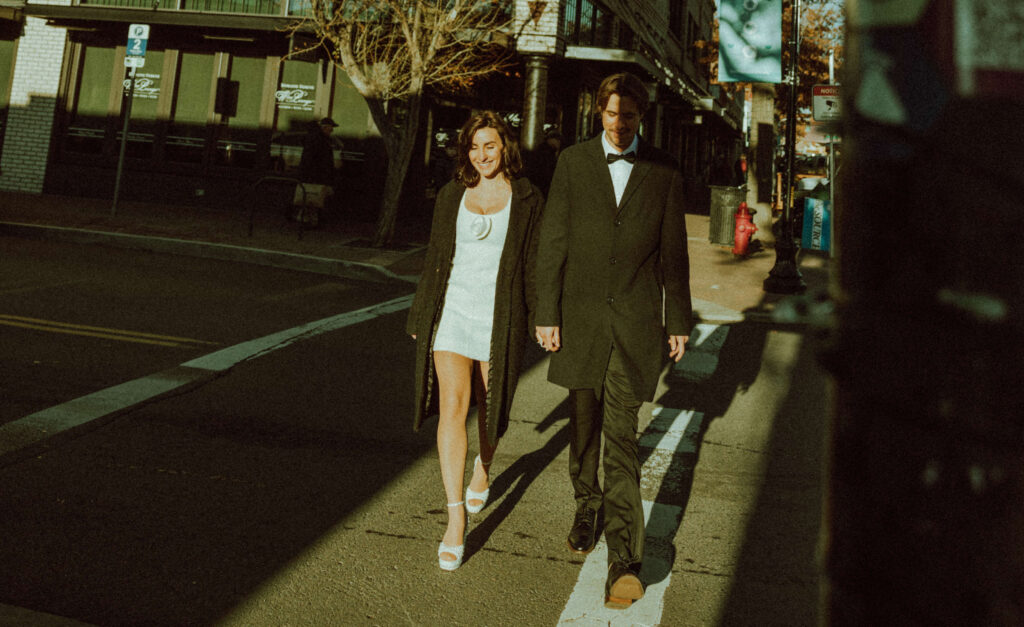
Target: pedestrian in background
{"type": "Point", "coordinates": [471, 313]}
{"type": "Point", "coordinates": [612, 288]}
{"type": "Point", "coordinates": [316, 171]}
{"type": "Point", "coordinates": [543, 160]}
{"type": "Point", "coordinates": [317, 162]}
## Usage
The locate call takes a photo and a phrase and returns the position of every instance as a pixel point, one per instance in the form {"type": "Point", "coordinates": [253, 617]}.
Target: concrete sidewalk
{"type": "Point", "coordinates": [725, 288]}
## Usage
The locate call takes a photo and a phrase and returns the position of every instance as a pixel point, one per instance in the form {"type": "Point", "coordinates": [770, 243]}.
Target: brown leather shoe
{"type": "Point", "coordinates": [623, 586]}
{"type": "Point", "coordinates": [583, 535]}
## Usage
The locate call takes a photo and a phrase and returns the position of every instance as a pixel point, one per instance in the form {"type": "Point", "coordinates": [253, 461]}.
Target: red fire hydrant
{"type": "Point", "coordinates": [745, 229]}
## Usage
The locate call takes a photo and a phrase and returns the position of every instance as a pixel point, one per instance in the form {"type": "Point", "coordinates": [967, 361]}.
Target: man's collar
{"type": "Point", "coordinates": [634, 146]}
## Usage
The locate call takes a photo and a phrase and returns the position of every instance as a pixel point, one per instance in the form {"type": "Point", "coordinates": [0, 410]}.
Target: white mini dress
{"type": "Point", "coordinates": [468, 314]}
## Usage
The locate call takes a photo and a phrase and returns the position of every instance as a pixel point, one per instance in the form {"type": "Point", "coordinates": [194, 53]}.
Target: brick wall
{"type": "Point", "coordinates": [542, 36]}
{"type": "Point", "coordinates": [34, 86]}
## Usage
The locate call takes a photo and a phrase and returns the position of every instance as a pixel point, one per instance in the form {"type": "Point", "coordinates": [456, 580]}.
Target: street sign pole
{"type": "Point", "coordinates": [135, 57]}
{"type": "Point", "coordinates": [832, 196]}
{"type": "Point", "coordinates": [124, 141]}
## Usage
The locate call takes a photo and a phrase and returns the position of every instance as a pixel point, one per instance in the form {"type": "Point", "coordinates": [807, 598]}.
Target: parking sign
{"type": "Point", "coordinates": [138, 35]}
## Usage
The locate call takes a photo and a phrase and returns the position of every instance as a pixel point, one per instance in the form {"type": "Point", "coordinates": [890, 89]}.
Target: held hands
{"type": "Point", "coordinates": [549, 338]}
{"type": "Point", "coordinates": [677, 346]}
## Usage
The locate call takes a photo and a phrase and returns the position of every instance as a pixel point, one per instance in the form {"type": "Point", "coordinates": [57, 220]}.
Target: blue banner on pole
{"type": "Point", "coordinates": [750, 41]}
{"type": "Point", "coordinates": [817, 232]}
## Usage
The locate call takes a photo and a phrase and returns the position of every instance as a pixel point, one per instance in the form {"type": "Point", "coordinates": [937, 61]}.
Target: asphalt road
{"type": "Point", "coordinates": [290, 489]}
{"type": "Point", "coordinates": [75, 318]}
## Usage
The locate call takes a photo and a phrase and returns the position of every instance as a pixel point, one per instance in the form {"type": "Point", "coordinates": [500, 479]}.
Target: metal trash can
{"type": "Point", "coordinates": [724, 202]}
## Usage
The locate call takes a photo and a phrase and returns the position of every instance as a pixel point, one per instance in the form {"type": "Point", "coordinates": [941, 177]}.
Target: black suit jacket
{"type": "Point", "coordinates": [612, 274]}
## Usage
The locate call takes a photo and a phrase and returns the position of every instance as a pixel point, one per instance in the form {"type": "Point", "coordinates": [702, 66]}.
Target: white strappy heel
{"type": "Point", "coordinates": [457, 551]}
{"type": "Point", "coordinates": [478, 496]}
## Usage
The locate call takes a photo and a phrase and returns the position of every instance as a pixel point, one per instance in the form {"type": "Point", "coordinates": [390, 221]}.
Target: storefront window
{"type": "Point", "coordinates": [186, 137]}
{"type": "Point", "coordinates": [141, 124]}
{"type": "Point", "coordinates": [237, 134]}
{"type": "Point", "coordinates": [89, 115]}
{"type": "Point", "coordinates": [350, 111]}
{"type": "Point", "coordinates": [294, 103]}
{"type": "Point", "coordinates": [6, 70]}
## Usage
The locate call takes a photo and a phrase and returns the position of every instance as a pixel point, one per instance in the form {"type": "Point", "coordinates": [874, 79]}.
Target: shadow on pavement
{"type": "Point", "coordinates": [738, 366]}
{"type": "Point", "coordinates": [778, 571]}
{"type": "Point", "coordinates": [179, 511]}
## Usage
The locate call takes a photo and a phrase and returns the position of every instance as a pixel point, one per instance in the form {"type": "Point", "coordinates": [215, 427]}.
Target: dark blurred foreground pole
{"type": "Point", "coordinates": [785, 277]}
{"type": "Point", "coordinates": [926, 508]}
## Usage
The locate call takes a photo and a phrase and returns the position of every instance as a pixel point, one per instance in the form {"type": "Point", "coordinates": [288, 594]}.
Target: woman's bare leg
{"type": "Point", "coordinates": [455, 390]}
{"type": "Point", "coordinates": [481, 474]}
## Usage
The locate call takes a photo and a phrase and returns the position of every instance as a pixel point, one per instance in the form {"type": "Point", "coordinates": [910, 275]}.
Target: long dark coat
{"type": "Point", "coordinates": [514, 300]}
{"type": "Point", "coordinates": [317, 162]}
{"type": "Point", "coordinates": [613, 275]}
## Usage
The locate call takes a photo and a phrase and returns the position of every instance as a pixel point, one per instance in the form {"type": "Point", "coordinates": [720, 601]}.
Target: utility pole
{"type": "Point", "coordinates": [785, 277]}
{"type": "Point", "coordinates": [926, 489]}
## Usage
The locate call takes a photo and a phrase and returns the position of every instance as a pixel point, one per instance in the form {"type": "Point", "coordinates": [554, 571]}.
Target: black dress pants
{"type": "Point", "coordinates": [612, 411]}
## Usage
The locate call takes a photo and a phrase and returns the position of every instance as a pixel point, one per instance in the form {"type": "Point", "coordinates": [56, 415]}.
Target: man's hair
{"type": "Point", "coordinates": [511, 160]}
{"type": "Point", "coordinates": [625, 85]}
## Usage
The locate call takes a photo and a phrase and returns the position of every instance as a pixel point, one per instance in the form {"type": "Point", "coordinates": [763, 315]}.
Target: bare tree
{"type": "Point", "coordinates": [393, 50]}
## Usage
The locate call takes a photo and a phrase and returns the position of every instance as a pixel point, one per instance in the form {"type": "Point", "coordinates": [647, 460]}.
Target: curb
{"type": "Point", "coordinates": [221, 252]}
{"type": "Point", "coordinates": [353, 270]}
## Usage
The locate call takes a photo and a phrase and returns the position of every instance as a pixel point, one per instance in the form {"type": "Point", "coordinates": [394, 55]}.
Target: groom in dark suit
{"type": "Point", "coordinates": [613, 286]}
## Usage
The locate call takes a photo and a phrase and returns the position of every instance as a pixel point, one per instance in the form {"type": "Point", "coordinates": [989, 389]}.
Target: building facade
{"type": "Point", "coordinates": [219, 103]}
{"type": "Point", "coordinates": [216, 105]}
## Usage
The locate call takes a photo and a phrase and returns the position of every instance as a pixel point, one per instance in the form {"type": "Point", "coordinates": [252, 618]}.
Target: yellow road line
{"type": "Point", "coordinates": [123, 338]}
{"type": "Point", "coordinates": [92, 331]}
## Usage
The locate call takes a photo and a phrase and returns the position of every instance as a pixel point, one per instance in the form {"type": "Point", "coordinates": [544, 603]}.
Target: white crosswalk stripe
{"type": "Point", "coordinates": [670, 443]}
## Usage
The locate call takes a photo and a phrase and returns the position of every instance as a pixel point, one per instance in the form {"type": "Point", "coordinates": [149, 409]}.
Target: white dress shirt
{"type": "Point", "coordinates": [621, 169]}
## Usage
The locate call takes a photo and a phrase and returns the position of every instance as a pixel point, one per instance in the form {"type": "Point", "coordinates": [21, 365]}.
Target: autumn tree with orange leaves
{"type": "Point", "coordinates": [394, 50]}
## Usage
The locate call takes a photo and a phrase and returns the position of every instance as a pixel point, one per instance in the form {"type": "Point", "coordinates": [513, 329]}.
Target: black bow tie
{"type": "Point", "coordinates": [628, 156]}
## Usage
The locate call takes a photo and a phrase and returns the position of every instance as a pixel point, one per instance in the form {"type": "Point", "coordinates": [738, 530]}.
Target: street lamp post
{"type": "Point", "coordinates": [785, 277]}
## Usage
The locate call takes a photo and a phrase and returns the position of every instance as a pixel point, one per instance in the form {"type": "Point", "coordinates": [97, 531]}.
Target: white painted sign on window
{"type": "Point", "coordinates": [296, 97]}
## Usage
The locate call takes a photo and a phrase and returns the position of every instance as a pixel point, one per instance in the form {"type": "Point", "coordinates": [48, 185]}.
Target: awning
{"type": "Point", "coordinates": [12, 18]}
{"type": "Point", "coordinates": [79, 15]}
{"type": "Point", "coordinates": [12, 10]}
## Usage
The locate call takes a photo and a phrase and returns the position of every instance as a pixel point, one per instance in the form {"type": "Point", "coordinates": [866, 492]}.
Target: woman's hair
{"type": "Point", "coordinates": [625, 85]}
{"type": "Point", "coordinates": [511, 161]}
